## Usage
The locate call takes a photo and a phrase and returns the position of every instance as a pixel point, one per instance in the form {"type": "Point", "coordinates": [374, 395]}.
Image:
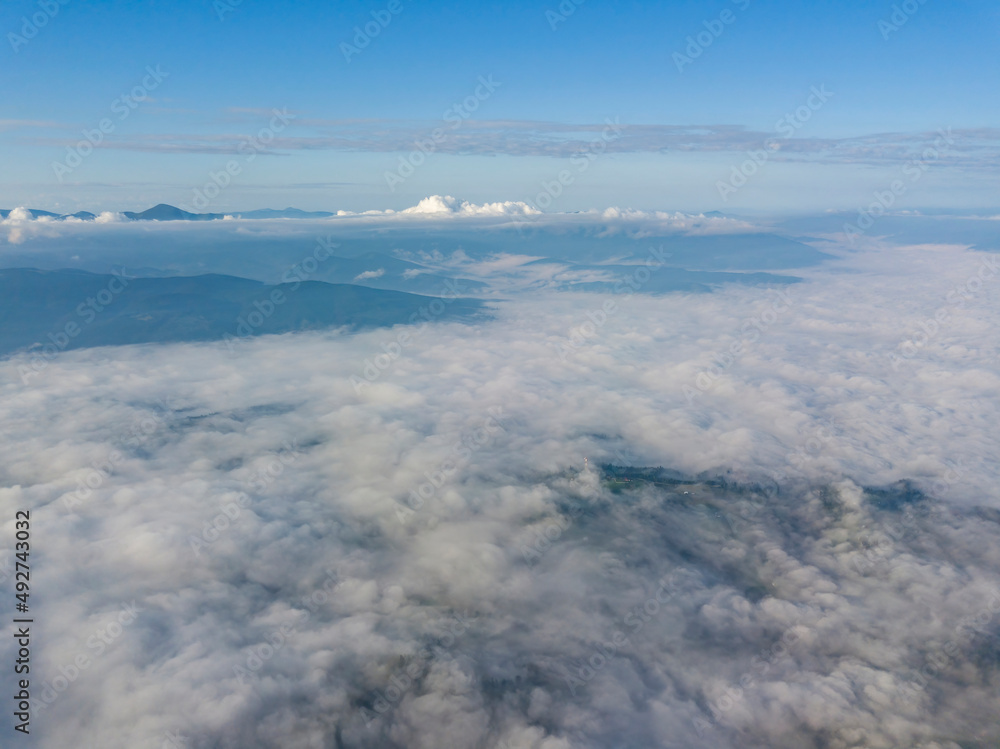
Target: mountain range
{"type": "Point", "coordinates": [165, 212]}
{"type": "Point", "coordinates": [68, 309]}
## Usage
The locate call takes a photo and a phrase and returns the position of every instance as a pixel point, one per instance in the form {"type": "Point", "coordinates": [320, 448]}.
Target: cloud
{"type": "Point", "coordinates": [425, 561]}
{"type": "Point", "coordinates": [20, 225]}
{"type": "Point", "coordinates": [110, 217]}
{"type": "Point", "coordinates": [478, 238]}
{"type": "Point", "coordinates": [966, 147]}
{"type": "Point", "coordinates": [519, 214]}
{"type": "Point", "coordinates": [18, 215]}
{"type": "Point", "coordinates": [7, 125]}
{"type": "Point", "coordinates": [439, 206]}
{"type": "Point", "coordinates": [370, 274]}
{"type": "Point", "coordinates": [436, 204]}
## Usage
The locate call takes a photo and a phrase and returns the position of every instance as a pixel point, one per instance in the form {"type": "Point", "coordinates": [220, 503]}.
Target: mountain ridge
{"type": "Point", "coordinates": [45, 312]}
{"type": "Point", "coordinates": [167, 212]}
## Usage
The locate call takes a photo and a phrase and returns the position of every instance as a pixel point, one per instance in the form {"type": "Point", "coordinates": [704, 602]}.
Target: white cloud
{"type": "Point", "coordinates": [445, 205]}
{"type": "Point", "coordinates": [20, 226]}
{"type": "Point", "coordinates": [315, 583]}
{"type": "Point", "coordinates": [109, 217]}
{"type": "Point", "coordinates": [18, 215]}
{"type": "Point", "coordinates": [370, 274]}
{"type": "Point", "coordinates": [436, 204]}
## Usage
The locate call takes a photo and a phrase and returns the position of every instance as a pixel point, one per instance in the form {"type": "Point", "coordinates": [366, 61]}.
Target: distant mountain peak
{"type": "Point", "coordinates": [167, 212]}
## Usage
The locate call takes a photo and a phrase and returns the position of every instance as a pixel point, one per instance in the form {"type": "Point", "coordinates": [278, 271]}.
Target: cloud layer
{"type": "Point", "coordinates": [969, 147]}
{"type": "Point", "coordinates": [352, 541]}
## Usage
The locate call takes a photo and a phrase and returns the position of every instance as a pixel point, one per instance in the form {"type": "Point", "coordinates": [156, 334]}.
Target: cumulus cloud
{"type": "Point", "coordinates": [445, 205]}
{"type": "Point", "coordinates": [19, 215]}
{"type": "Point", "coordinates": [448, 207]}
{"type": "Point", "coordinates": [21, 225]}
{"type": "Point", "coordinates": [110, 217]}
{"type": "Point", "coordinates": [329, 541]}
{"type": "Point", "coordinates": [370, 274]}
{"type": "Point", "coordinates": [695, 224]}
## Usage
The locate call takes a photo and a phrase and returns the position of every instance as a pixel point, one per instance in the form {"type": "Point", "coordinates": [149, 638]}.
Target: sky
{"type": "Point", "coordinates": [517, 91]}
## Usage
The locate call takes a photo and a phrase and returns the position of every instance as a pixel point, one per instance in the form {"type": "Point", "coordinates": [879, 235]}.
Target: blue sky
{"type": "Point", "coordinates": [354, 120]}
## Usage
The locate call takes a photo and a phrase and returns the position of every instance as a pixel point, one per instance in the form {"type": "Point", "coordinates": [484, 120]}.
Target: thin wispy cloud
{"type": "Point", "coordinates": [965, 148]}
{"type": "Point", "coordinates": [8, 125]}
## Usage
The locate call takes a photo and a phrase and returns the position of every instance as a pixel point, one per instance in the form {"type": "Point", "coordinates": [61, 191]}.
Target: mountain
{"type": "Point", "coordinates": [282, 213]}
{"type": "Point", "coordinates": [161, 212]}
{"type": "Point", "coordinates": [164, 212]}
{"type": "Point", "coordinates": [380, 271]}
{"type": "Point", "coordinates": [66, 309]}
{"type": "Point", "coordinates": [35, 213]}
